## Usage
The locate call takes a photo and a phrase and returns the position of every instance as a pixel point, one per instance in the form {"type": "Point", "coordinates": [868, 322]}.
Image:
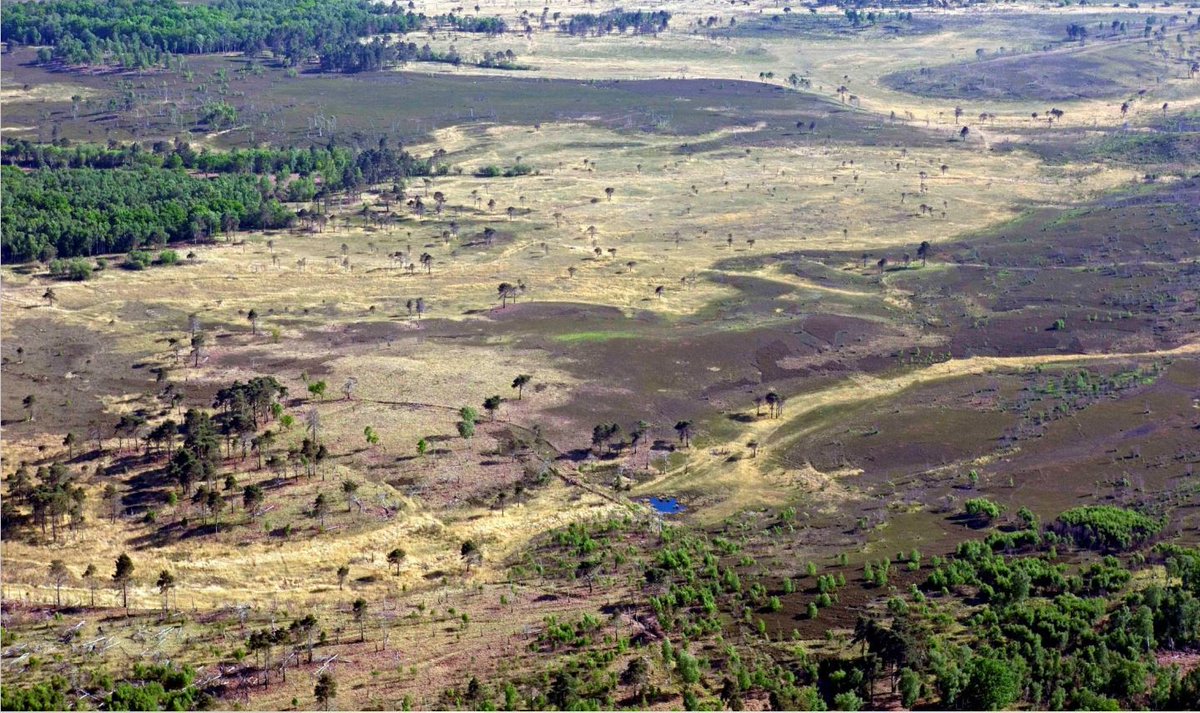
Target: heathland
{"type": "Point", "coordinates": [705, 355]}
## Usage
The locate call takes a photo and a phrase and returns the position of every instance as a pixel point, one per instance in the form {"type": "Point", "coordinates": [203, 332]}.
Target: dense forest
{"type": "Point", "coordinates": [140, 32]}
{"type": "Point", "coordinates": [63, 207]}
{"type": "Point", "coordinates": [337, 166]}
{"type": "Point", "coordinates": [84, 211]}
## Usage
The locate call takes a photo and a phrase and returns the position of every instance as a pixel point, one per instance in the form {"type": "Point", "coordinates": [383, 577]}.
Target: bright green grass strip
{"type": "Point", "coordinates": [593, 336]}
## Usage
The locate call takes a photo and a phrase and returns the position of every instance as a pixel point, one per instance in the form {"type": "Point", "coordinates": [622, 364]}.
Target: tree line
{"type": "Point", "coordinates": [84, 211]}
{"type": "Point", "coordinates": [84, 200]}
{"type": "Point", "coordinates": [143, 31]}
{"type": "Point", "coordinates": [640, 21]}
{"type": "Point", "coordinates": [380, 53]}
{"type": "Point", "coordinates": [471, 23]}
{"type": "Point", "coordinates": [334, 165]}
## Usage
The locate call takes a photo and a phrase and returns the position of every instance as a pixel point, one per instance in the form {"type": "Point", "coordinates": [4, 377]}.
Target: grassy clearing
{"type": "Point", "coordinates": [594, 336]}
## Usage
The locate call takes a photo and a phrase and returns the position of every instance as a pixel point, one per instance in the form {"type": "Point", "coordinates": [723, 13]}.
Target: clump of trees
{"type": "Point", "coordinates": [72, 212]}
{"type": "Point", "coordinates": [338, 167]}
{"type": "Point", "coordinates": [618, 20]}
{"type": "Point", "coordinates": [472, 23]}
{"type": "Point", "coordinates": [49, 499]}
{"type": "Point", "coordinates": [1107, 527]}
{"type": "Point", "coordinates": [86, 200]}
{"type": "Point", "coordinates": [492, 171]}
{"type": "Point", "coordinates": [380, 53]}
{"type": "Point", "coordinates": [982, 509]}
{"type": "Point", "coordinates": [147, 687]}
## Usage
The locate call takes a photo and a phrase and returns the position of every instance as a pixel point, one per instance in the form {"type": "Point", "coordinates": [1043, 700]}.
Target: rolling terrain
{"type": "Point", "coordinates": [743, 357]}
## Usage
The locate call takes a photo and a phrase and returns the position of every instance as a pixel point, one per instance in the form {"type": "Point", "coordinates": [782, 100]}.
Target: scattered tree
{"type": "Point", "coordinates": [519, 384]}
{"type": "Point", "coordinates": [359, 608]}
{"type": "Point", "coordinates": [396, 557]}
{"type": "Point", "coordinates": [684, 429]}
{"type": "Point", "coordinates": [59, 575]}
{"type": "Point", "coordinates": [122, 576]}
{"type": "Point", "coordinates": [325, 690]}
{"type": "Point", "coordinates": [165, 583]}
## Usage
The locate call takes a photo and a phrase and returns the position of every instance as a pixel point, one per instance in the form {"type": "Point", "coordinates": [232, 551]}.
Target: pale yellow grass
{"type": "Point", "coordinates": [42, 93]}
{"type": "Point", "coordinates": [683, 51]}
{"type": "Point", "coordinates": [791, 202]}
{"type": "Point", "coordinates": [225, 574]}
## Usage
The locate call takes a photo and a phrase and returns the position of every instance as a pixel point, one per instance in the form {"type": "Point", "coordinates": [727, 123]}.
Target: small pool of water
{"type": "Point", "coordinates": [666, 506]}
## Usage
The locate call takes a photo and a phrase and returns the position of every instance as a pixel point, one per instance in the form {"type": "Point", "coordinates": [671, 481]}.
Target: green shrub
{"type": "Point", "coordinates": [45, 696]}
{"type": "Point", "coordinates": [77, 269]}
{"type": "Point", "coordinates": [1107, 527]}
{"type": "Point", "coordinates": [137, 260]}
{"type": "Point", "coordinates": [982, 508]}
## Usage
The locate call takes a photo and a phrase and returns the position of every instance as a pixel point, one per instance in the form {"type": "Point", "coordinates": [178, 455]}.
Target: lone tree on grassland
{"type": "Point", "coordinates": [492, 404]}
{"type": "Point", "coordinates": [519, 384]}
{"type": "Point", "coordinates": [360, 615]}
{"type": "Point", "coordinates": [89, 576]}
{"type": "Point", "coordinates": [684, 429]}
{"type": "Point", "coordinates": [325, 690]}
{"type": "Point", "coordinates": [466, 426]}
{"type": "Point", "coordinates": [470, 553]}
{"type": "Point", "coordinates": [59, 574]}
{"type": "Point", "coordinates": [198, 341]}
{"type": "Point", "coordinates": [349, 488]}
{"type": "Point", "coordinates": [466, 429]}
{"type": "Point", "coordinates": [396, 557]}
{"type": "Point", "coordinates": [122, 576]}
{"type": "Point", "coordinates": [774, 404]}
{"type": "Point", "coordinates": [506, 291]}
{"type": "Point", "coordinates": [165, 583]}
{"type": "Point", "coordinates": [320, 508]}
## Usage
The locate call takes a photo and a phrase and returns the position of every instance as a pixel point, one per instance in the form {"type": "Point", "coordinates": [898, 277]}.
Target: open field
{"type": "Point", "coordinates": [816, 315]}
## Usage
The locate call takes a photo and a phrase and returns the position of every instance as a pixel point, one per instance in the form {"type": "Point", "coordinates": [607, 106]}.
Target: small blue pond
{"type": "Point", "coordinates": [666, 506]}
